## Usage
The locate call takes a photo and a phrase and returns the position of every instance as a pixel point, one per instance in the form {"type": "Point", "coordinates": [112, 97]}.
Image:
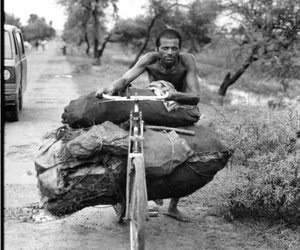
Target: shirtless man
{"type": "Point", "coordinates": [166, 63]}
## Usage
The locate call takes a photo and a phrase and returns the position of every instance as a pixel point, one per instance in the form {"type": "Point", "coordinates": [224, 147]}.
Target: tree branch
{"type": "Point", "coordinates": [228, 80]}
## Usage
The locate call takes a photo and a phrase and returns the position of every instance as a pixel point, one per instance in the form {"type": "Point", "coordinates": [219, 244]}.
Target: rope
{"type": "Point", "coordinates": [99, 137]}
{"type": "Point", "coordinates": [75, 183]}
{"type": "Point", "coordinates": [201, 174]}
{"type": "Point", "coordinates": [61, 162]}
{"type": "Point", "coordinates": [173, 150]}
{"type": "Point", "coordinates": [69, 159]}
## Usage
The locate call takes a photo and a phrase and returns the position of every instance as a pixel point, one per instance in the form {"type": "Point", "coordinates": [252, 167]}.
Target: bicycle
{"type": "Point", "coordinates": [136, 207]}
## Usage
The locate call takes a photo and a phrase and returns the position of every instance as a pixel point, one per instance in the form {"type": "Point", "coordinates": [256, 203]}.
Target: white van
{"type": "Point", "coordinates": [15, 70]}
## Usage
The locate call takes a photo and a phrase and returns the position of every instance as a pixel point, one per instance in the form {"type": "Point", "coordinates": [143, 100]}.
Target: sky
{"type": "Point", "coordinates": [55, 13]}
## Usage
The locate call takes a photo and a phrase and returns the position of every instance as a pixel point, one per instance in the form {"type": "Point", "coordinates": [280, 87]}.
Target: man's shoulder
{"type": "Point", "coordinates": [147, 59]}
{"type": "Point", "coordinates": [186, 56]}
{"type": "Point", "coordinates": [188, 59]}
{"type": "Point", "coordinates": [150, 57]}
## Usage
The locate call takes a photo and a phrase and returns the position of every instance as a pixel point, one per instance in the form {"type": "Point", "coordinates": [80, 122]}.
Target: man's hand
{"type": "Point", "coordinates": [104, 90]}
{"type": "Point", "coordinates": [170, 97]}
{"type": "Point", "coordinates": [183, 98]}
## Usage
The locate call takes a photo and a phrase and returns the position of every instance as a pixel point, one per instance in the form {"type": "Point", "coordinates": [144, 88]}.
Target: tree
{"type": "Point", "coordinates": [269, 31]}
{"type": "Point", "coordinates": [88, 17]}
{"type": "Point", "coordinates": [12, 20]}
{"type": "Point", "coordinates": [156, 10]}
{"type": "Point", "coordinates": [37, 28]}
{"type": "Point", "coordinates": [193, 20]}
{"type": "Point", "coordinates": [77, 25]}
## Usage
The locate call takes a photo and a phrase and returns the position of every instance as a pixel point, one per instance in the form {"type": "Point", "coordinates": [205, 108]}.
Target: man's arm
{"type": "Point", "coordinates": [191, 91]}
{"type": "Point", "coordinates": [129, 76]}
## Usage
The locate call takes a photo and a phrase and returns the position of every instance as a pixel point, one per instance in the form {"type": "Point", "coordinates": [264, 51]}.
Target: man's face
{"type": "Point", "coordinates": [169, 50]}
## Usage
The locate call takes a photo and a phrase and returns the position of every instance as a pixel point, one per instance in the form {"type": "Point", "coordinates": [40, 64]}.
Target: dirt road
{"type": "Point", "coordinates": [50, 88]}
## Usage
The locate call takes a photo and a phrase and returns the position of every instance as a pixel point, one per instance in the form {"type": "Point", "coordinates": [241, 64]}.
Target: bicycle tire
{"type": "Point", "coordinates": [138, 206]}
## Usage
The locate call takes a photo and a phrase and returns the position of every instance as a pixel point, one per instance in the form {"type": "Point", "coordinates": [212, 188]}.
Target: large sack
{"type": "Point", "coordinates": [110, 188]}
{"type": "Point", "coordinates": [163, 151]}
{"type": "Point", "coordinates": [210, 156]}
{"type": "Point", "coordinates": [88, 110]}
{"type": "Point", "coordinates": [71, 189]}
{"type": "Point", "coordinates": [70, 148]}
{"type": "Point", "coordinates": [86, 185]}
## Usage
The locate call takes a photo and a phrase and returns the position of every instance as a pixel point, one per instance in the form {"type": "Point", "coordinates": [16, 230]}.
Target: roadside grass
{"type": "Point", "coordinates": [258, 189]}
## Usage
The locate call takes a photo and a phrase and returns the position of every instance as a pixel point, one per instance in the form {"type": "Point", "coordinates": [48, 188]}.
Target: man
{"type": "Point", "coordinates": [166, 63]}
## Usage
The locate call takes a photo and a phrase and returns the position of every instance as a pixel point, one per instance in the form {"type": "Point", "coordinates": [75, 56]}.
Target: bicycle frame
{"type": "Point", "coordinates": [135, 150]}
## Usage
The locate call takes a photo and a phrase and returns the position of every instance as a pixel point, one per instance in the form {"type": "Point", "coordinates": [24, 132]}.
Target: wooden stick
{"type": "Point", "coordinates": [178, 130]}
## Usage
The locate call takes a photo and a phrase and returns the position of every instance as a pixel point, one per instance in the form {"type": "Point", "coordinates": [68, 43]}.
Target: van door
{"type": "Point", "coordinates": [23, 60]}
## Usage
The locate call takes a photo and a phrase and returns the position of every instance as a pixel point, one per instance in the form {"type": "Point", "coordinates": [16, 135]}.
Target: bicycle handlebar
{"type": "Point", "coordinates": [135, 98]}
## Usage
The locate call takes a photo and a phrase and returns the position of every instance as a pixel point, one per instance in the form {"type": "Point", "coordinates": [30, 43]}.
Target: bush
{"type": "Point", "coordinates": [265, 152]}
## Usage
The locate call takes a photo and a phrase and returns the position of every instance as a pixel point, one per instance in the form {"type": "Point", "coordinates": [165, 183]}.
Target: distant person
{"type": "Point", "coordinates": [36, 45]}
{"type": "Point", "coordinates": [166, 63]}
{"type": "Point", "coordinates": [64, 47]}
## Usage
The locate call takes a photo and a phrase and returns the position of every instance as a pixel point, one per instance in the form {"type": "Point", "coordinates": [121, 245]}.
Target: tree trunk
{"type": "Point", "coordinates": [101, 50]}
{"type": "Point", "coordinates": [96, 32]}
{"type": "Point", "coordinates": [229, 80]}
{"type": "Point", "coordinates": [87, 51]}
{"type": "Point", "coordinates": [146, 41]}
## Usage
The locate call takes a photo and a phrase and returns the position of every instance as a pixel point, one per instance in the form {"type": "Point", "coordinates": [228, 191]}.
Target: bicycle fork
{"type": "Point", "coordinates": [135, 150]}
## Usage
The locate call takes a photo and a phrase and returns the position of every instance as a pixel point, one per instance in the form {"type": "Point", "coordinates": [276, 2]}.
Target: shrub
{"type": "Point", "coordinates": [266, 153]}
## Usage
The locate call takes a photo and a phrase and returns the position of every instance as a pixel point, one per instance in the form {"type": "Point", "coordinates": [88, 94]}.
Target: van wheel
{"type": "Point", "coordinates": [14, 112]}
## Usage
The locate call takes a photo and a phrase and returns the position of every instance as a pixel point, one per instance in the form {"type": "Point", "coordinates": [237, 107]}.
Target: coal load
{"type": "Point", "coordinates": [88, 110]}
{"type": "Point", "coordinates": [77, 168]}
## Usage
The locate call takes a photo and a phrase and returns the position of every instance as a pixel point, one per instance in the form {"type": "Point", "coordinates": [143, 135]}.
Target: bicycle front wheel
{"type": "Point", "coordinates": [138, 205]}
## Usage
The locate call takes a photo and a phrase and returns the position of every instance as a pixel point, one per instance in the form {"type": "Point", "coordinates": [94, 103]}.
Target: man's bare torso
{"type": "Point", "coordinates": [175, 75]}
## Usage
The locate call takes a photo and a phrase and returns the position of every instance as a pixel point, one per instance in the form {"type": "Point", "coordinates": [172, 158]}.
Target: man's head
{"type": "Point", "coordinates": [170, 34]}
{"type": "Point", "coordinates": [168, 44]}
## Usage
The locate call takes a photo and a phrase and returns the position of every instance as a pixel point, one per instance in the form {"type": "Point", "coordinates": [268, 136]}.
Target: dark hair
{"type": "Point", "coordinates": [170, 34]}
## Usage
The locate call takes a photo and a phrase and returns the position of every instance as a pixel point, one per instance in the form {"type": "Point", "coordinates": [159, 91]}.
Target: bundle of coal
{"type": "Point", "coordinates": [100, 179]}
{"type": "Point", "coordinates": [210, 156]}
{"type": "Point", "coordinates": [86, 185]}
{"type": "Point", "coordinates": [88, 110]}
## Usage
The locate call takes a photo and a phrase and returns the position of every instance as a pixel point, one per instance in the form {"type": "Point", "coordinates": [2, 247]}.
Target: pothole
{"type": "Point", "coordinates": [22, 151]}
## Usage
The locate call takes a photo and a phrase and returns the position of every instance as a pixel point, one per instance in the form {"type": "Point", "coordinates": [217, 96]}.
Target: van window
{"type": "Point", "coordinates": [7, 46]}
{"type": "Point", "coordinates": [16, 45]}
{"type": "Point", "coordinates": [20, 42]}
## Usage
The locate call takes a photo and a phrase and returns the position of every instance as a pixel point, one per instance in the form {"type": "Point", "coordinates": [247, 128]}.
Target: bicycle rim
{"type": "Point", "coordinates": [139, 206]}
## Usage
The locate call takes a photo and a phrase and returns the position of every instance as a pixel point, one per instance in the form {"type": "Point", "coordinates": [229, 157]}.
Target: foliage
{"type": "Point", "coordinates": [130, 32]}
{"type": "Point", "coordinates": [268, 35]}
{"type": "Point", "coordinates": [86, 21]}
{"type": "Point", "coordinates": [12, 20]}
{"type": "Point", "coordinates": [267, 153]}
{"type": "Point", "coordinates": [194, 21]}
{"type": "Point", "coordinates": [37, 28]}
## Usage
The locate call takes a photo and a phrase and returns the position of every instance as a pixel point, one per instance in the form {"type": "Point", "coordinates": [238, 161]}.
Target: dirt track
{"type": "Point", "coordinates": [50, 88]}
